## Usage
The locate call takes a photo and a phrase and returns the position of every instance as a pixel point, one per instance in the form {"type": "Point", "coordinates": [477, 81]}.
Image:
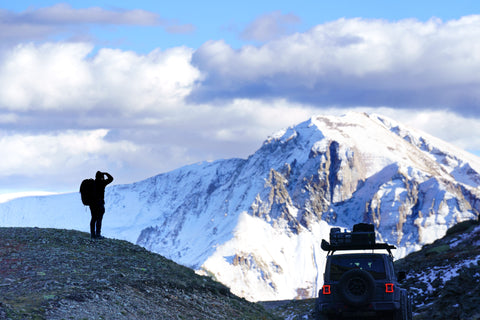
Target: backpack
{"type": "Point", "coordinates": [87, 191]}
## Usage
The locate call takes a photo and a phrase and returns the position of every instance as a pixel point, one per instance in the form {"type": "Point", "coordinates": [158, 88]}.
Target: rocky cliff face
{"type": "Point", "coordinates": [369, 169]}
{"type": "Point", "coordinates": [256, 224]}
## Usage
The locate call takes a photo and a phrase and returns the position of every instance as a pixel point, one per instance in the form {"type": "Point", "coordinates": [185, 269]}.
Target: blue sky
{"type": "Point", "coordinates": [215, 20]}
{"type": "Point", "coordinates": [143, 87]}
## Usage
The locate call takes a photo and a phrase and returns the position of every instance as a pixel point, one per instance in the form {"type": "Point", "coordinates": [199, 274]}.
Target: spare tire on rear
{"type": "Point", "coordinates": [356, 287]}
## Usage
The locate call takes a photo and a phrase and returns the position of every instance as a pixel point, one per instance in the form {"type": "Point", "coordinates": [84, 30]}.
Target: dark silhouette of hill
{"type": "Point", "coordinates": [444, 277]}
{"type": "Point", "coordinates": [63, 274]}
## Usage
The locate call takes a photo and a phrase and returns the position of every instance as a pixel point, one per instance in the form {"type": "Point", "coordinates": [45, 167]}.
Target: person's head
{"type": "Point", "coordinates": [99, 176]}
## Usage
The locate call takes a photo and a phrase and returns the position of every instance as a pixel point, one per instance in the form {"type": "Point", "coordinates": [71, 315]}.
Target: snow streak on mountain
{"type": "Point", "coordinates": [256, 224]}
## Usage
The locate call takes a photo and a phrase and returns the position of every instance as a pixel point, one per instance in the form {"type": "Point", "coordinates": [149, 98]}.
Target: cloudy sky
{"type": "Point", "coordinates": [142, 87]}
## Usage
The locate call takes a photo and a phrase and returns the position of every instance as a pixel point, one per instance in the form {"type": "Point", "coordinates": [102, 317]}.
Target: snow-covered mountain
{"type": "Point", "coordinates": [256, 224]}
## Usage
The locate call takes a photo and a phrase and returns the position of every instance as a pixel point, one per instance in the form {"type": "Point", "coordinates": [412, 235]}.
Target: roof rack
{"type": "Point", "coordinates": [362, 238]}
{"type": "Point", "coordinates": [343, 247]}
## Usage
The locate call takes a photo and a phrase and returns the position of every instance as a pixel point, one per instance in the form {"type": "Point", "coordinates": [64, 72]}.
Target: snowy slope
{"type": "Point", "coordinates": [256, 224]}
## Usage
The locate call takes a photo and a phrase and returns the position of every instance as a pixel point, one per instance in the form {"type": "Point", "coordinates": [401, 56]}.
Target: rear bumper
{"type": "Point", "coordinates": [372, 309]}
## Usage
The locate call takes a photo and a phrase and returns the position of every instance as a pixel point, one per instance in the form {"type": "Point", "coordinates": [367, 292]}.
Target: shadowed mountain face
{"type": "Point", "coordinates": [256, 224]}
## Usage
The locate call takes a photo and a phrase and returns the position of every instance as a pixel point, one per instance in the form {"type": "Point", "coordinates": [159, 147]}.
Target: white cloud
{"type": "Point", "coordinates": [62, 19]}
{"type": "Point", "coordinates": [61, 76]}
{"type": "Point", "coordinates": [64, 14]}
{"type": "Point", "coordinates": [270, 26]}
{"type": "Point", "coordinates": [354, 61]}
{"type": "Point", "coordinates": [41, 153]}
{"type": "Point", "coordinates": [50, 76]}
{"type": "Point", "coordinates": [158, 80]}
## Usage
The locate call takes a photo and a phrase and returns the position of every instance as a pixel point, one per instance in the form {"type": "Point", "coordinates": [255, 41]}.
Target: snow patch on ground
{"type": "Point", "coordinates": [443, 273]}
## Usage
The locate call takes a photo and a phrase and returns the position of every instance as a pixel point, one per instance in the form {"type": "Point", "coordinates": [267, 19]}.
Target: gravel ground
{"type": "Point", "coordinates": [63, 274]}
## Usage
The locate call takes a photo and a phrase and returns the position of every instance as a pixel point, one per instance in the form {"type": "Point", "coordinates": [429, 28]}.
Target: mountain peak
{"type": "Point", "coordinates": [380, 141]}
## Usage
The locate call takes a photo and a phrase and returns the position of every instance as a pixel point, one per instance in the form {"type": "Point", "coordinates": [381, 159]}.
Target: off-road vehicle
{"type": "Point", "coordinates": [362, 284]}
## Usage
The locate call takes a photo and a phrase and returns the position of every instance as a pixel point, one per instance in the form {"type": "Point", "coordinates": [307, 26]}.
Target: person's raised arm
{"type": "Point", "coordinates": [109, 178]}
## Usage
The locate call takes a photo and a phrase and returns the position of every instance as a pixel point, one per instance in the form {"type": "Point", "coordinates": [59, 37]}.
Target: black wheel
{"type": "Point", "coordinates": [398, 315]}
{"type": "Point", "coordinates": [356, 287]}
{"type": "Point", "coordinates": [317, 314]}
{"type": "Point", "coordinates": [409, 308]}
{"type": "Point", "coordinates": [402, 313]}
{"type": "Point", "coordinates": [322, 317]}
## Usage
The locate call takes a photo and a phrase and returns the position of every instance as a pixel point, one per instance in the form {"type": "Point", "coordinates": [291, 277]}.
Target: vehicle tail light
{"type": "Point", "coordinates": [389, 287]}
{"type": "Point", "coordinates": [326, 289]}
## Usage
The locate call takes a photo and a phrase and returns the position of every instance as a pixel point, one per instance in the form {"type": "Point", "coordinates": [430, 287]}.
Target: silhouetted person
{"type": "Point", "coordinates": [97, 208]}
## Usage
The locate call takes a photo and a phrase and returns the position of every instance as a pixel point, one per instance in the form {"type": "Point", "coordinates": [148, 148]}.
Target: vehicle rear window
{"type": "Point", "coordinates": [372, 264]}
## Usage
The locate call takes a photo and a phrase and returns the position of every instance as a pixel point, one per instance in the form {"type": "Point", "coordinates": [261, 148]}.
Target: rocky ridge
{"type": "Point", "coordinates": [444, 277]}
{"type": "Point", "coordinates": [63, 274]}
